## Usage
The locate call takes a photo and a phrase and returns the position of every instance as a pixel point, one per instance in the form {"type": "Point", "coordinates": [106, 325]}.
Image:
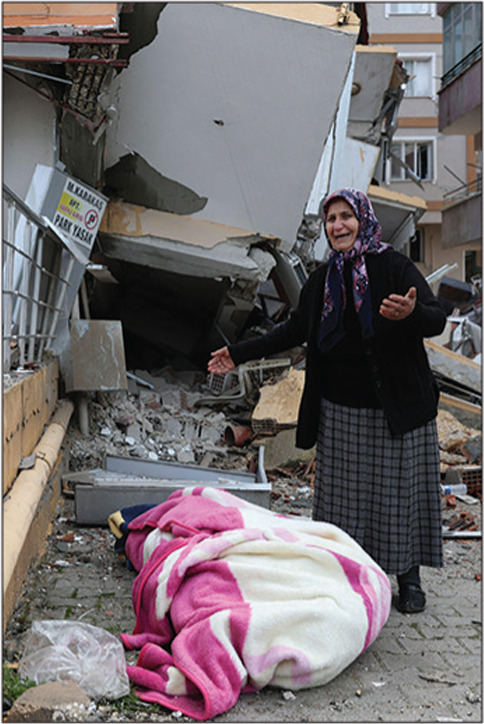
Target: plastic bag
{"type": "Point", "coordinates": [88, 655]}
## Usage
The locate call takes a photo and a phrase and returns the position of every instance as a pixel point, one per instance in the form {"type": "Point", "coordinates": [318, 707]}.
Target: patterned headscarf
{"type": "Point", "coordinates": [368, 241]}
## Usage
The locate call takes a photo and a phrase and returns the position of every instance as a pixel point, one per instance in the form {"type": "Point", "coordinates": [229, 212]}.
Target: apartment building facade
{"type": "Point", "coordinates": [422, 160]}
{"type": "Point", "coordinates": [460, 113]}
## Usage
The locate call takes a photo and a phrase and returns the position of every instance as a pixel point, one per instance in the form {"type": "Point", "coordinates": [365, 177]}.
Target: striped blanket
{"type": "Point", "coordinates": [231, 597]}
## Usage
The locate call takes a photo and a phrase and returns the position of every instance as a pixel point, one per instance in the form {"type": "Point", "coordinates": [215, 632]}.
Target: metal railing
{"type": "Point", "coordinates": [461, 66]}
{"type": "Point", "coordinates": [36, 272]}
{"type": "Point", "coordinates": [463, 192]}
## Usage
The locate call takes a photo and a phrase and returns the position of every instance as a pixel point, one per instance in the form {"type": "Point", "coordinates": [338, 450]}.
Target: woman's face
{"type": "Point", "coordinates": [341, 225]}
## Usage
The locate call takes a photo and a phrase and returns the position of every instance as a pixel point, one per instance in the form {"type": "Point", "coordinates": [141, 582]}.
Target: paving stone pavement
{"type": "Point", "coordinates": [424, 667]}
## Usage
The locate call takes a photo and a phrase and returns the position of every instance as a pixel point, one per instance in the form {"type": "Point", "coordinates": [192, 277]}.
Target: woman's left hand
{"type": "Point", "coordinates": [397, 307]}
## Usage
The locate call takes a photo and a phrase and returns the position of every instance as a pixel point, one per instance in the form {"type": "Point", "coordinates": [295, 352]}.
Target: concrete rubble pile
{"type": "Point", "coordinates": [459, 444]}
{"type": "Point", "coordinates": [157, 421]}
{"type": "Point", "coordinates": [165, 416]}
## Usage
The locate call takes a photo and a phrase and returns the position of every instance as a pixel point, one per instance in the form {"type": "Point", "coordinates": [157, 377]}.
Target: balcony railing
{"type": "Point", "coordinates": [463, 192]}
{"type": "Point", "coordinates": [37, 265]}
{"type": "Point", "coordinates": [461, 66]}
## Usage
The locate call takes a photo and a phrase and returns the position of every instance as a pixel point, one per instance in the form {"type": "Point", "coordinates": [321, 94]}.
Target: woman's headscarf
{"type": "Point", "coordinates": [368, 241]}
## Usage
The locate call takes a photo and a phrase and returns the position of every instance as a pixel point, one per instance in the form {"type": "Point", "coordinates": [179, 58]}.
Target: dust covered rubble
{"type": "Point", "coordinates": [159, 421]}
{"type": "Point", "coordinates": [160, 418]}
{"type": "Point", "coordinates": [459, 443]}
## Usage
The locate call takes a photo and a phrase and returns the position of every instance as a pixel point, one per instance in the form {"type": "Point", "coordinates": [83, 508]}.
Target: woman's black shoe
{"type": "Point", "coordinates": [411, 599]}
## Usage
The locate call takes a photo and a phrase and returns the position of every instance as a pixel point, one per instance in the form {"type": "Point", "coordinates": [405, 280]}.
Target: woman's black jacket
{"type": "Point", "coordinates": [396, 354]}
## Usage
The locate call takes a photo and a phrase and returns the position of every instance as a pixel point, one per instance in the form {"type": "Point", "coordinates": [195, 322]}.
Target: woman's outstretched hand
{"type": "Point", "coordinates": [396, 307]}
{"type": "Point", "coordinates": [221, 362]}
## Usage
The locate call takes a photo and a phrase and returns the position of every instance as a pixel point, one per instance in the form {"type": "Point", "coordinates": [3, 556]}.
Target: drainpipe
{"type": "Point", "coordinates": [22, 501]}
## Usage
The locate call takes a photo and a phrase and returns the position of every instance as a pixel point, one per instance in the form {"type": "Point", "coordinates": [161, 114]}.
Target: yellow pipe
{"type": "Point", "coordinates": [22, 501]}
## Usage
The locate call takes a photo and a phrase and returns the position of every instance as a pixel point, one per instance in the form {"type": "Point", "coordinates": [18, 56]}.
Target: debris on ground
{"type": "Point", "coordinates": [159, 418]}
{"type": "Point", "coordinates": [54, 701]}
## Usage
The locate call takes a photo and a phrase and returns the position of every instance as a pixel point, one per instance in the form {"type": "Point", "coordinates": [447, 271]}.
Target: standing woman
{"type": "Point", "coordinates": [369, 398]}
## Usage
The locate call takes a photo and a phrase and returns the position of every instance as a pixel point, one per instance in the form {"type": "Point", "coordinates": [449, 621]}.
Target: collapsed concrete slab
{"type": "Point", "coordinates": [184, 244]}
{"type": "Point", "coordinates": [237, 142]}
{"type": "Point", "coordinates": [454, 366]}
{"type": "Point", "coordinates": [209, 192]}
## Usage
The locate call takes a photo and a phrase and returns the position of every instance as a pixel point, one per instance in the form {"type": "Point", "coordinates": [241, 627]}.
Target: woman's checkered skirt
{"type": "Point", "coordinates": [382, 490]}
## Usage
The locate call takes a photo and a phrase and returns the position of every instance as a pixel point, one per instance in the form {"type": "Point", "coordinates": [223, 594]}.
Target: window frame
{"type": "Point", "coordinates": [433, 65]}
{"type": "Point", "coordinates": [456, 12]}
{"type": "Point", "coordinates": [430, 13]}
{"type": "Point", "coordinates": [418, 241]}
{"type": "Point", "coordinates": [432, 142]}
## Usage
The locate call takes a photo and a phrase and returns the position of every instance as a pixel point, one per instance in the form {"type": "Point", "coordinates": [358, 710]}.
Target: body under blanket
{"type": "Point", "coordinates": [231, 597]}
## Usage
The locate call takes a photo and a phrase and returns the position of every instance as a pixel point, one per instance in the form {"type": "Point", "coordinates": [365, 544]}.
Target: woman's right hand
{"type": "Point", "coordinates": [221, 362]}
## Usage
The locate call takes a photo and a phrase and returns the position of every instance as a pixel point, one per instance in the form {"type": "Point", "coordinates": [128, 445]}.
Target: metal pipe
{"type": "Point", "coordinates": [114, 39]}
{"type": "Point", "coordinates": [38, 246]}
{"type": "Point", "coordinates": [111, 62]}
{"type": "Point", "coordinates": [35, 72]}
{"type": "Point", "coordinates": [22, 501]}
{"type": "Point", "coordinates": [438, 273]}
{"type": "Point", "coordinates": [24, 298]}
{"type": "Point", "coordinates": [89, 124]}
{"type": "Point", "coordinates": [8, 283]}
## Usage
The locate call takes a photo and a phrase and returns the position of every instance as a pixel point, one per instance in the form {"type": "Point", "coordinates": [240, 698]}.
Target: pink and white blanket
{"type": "Point", "coordinates": [231, 597]}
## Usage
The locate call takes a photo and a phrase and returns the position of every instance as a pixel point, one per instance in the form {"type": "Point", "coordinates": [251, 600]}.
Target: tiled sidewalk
{"type": "Point", "coordinates": [425, 667]}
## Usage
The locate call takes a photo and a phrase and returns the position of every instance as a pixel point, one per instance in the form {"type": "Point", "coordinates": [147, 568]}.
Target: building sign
{"type": "Point", "coordinates": [79, 212]}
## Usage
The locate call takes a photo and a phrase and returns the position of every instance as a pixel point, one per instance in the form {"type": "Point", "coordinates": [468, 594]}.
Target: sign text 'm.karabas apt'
{"type": "Point", "coordinates": [79, 212]}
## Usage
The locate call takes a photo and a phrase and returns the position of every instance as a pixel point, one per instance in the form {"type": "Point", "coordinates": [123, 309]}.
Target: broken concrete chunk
{"type": "Point", "coordinates": [452, 433]}
{"type": "Point", "coordinates": [124, 420]}
{"type": "Point", "coordinates": [55, 701]}
{"type": "Point", "coordinates": [150, 399]}
{"type": "Point", "coordinates": [454, 441]}
{"type": "Point", "coordinates": [278, 404]}
{"type": "Point", "coordinates": [134, 433]}
{"type": "Point", "coordinates": [172, 428]}
{"type": "Point", "coordinates": [472, 449]}
{"type": "Point", "coordinates": [185, 455]}
{"type": "Point", "coordinates": [147, 427]}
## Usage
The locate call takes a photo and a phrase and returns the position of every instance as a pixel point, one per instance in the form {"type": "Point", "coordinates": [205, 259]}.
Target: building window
{"type": "Point", "coordinates": [420, 84]}
{"type": "Point", "coordinates": [412, 158]}
{"type": "Point", "coordinates": [410, 9]}
{"type": "Point", "coordinates": [417, 246]}
{"type": "Point", "coordinates": [462, 32]}
{"type": "Point", "coordinates": [473, 265]}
